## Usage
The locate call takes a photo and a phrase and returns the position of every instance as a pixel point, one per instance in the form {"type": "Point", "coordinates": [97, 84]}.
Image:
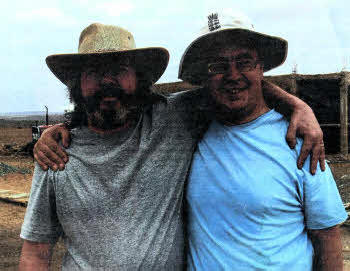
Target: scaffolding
{"type": "Point", "coordinates": [323, 90]}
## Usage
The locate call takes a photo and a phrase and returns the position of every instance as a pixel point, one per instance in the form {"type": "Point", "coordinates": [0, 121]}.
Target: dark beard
{"type": "Point", "coordinates": [112, 119]}
{"type": "Point", "coordinates": [130, 108]}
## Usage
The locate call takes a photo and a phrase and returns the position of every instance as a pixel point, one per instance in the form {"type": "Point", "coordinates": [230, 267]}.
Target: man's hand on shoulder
{"type": "Point", "coordinates": [47, 152]}
{"type": "Point", "coordinates": [304, 123]}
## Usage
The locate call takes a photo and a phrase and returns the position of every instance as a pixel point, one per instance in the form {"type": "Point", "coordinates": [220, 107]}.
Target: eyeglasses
{"type": "Point", "coordinates": [244, 65]}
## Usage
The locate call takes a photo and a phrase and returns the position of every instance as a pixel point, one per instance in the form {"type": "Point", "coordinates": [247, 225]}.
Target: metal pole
{"type": "Point", "coordinates": [47, 115]}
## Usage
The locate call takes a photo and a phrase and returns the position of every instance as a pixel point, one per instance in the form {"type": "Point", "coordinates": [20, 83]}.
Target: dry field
{"type": "Point", "coordinates": [11, 215]}
{"type": "Point", "coordinates": [15, 136]}
{"type": "Point", "coordinates": [12, 139]}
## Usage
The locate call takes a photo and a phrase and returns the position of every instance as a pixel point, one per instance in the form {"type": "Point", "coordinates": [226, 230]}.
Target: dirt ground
{"type": "Point", "coordinates": [11, 218]}
{"type": "Point", "coordinates": [15, 136]}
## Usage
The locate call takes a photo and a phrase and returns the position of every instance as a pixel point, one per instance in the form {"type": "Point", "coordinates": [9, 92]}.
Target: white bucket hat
{"type": "Point", "coordinates": [99, 44]}
{"type": "Point", "coordinates": [221, 27]}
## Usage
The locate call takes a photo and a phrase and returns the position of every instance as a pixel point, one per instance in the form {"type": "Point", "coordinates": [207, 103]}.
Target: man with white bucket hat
{"type": "Point", "coordinates": [137, 167]}
{"type": "Point", "coordinates": [263, 213]}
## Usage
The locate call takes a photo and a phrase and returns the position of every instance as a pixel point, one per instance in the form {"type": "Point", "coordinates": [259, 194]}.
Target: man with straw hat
{"type": "Point", "coordinates": [117, 204]}
{"type": "Point", "coordinates": [263, 213]}
{"type": "Point", "coordinates": [119, 199]}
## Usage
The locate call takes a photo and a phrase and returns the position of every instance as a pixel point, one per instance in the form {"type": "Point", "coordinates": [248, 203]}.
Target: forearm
{"type": "Point", "coordinates": [327, 249]}
{"type": "Point", "coordinates": [35, 256]}
{"type": "Point", "coordinates": [33, 264]}
{"type": "Point", "coordinates": [281, 100]}
{"type": "Point", "coordinates": [302, 122]}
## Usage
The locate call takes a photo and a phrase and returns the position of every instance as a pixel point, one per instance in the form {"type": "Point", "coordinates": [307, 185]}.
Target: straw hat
{"type": "Point", "coordinates": [99, 44]}
{"type": "Point", "coordinates": [223, 27]}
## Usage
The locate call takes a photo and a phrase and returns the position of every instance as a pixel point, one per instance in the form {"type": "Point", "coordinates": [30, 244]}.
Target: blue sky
{"type": "Point", "coordinates": [317, 32]}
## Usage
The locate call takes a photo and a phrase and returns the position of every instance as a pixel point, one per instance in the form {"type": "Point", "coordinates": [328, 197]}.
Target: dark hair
{"type": "Point", "coordinates": [78, 117]}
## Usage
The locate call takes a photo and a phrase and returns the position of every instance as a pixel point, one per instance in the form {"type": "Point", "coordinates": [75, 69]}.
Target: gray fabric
{"type": "Point", "coordinates": [118, 203]}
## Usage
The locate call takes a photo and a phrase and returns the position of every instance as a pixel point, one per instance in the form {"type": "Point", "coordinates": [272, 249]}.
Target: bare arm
{"type": "Point", "coordinates": [47, 151]}
{"type": "Point", "coordinates": [35, 256]}
{"type": "Point", "coordinates": [302, 123]}
{"type": "Point", "coordinates": [328, 249]}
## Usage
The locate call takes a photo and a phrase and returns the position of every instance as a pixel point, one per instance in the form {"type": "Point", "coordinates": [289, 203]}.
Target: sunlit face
{"type": "Point", "coordinates": [107, 92]}
{"type": "Point", "coordinates": [237, 90]}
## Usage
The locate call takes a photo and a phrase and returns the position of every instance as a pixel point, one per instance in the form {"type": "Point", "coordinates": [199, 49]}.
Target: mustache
{"type": "Point", "coordinates": [116, 92]}
{"type": "Point", "coordinates": [92, 102]}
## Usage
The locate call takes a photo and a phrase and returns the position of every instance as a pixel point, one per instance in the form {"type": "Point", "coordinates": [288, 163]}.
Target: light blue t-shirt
{"type": "Point", "coordinates": [249, 205]}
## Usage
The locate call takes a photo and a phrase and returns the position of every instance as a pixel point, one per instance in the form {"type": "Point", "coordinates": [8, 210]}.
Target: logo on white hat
{"type": "Point", "coordinates": [213, 22]}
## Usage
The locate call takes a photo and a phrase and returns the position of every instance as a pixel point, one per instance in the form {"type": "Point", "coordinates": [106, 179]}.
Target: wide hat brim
{"type": "Point", "coordinates": [272, 49]}
{"type": "Point", "coordinates": [149, 63]}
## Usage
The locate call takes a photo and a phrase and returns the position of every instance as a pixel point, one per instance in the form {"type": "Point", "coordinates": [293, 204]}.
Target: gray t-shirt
{"type": "Point", "coordinates": [118, 203]}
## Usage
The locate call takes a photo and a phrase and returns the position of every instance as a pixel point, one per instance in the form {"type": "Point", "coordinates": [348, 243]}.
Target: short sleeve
{"type": "Point", "coordinates": [323, 206]}
{"type": "Point", "coordinates": [41, 223]}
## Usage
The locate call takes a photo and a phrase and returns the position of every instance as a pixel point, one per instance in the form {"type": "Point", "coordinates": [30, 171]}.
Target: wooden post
{"type": "Point", "coordinates": [294, 86]}
{"type": "Point", "coordinates": [343, 87]}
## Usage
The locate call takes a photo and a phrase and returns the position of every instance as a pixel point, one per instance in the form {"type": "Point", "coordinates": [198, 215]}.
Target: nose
{"type": "Point", "coordinates": [232, 72]}
{"type": "Point", "coordinates": [108, 79]}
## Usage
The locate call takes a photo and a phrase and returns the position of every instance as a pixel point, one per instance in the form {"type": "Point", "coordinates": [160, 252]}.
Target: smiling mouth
{"type": "Point", "coordinates": [233, 91]}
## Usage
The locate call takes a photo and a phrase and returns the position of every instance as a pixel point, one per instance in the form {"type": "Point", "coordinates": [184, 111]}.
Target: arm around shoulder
{"type": "Point", "coordinates": [303, 123]}
{"type": "Point", "coordinates": [47, 151]}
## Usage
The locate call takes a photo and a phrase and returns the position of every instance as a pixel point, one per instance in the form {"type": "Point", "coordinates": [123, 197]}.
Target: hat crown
{"type": "Point", "coordinates": [217, 21]}
{"type": "Point", "coordinates": [99, 38]}
{"type": "Point", "coordinates": [225, 26]}
{"type": "Point", "coordinates": [99, 43]}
